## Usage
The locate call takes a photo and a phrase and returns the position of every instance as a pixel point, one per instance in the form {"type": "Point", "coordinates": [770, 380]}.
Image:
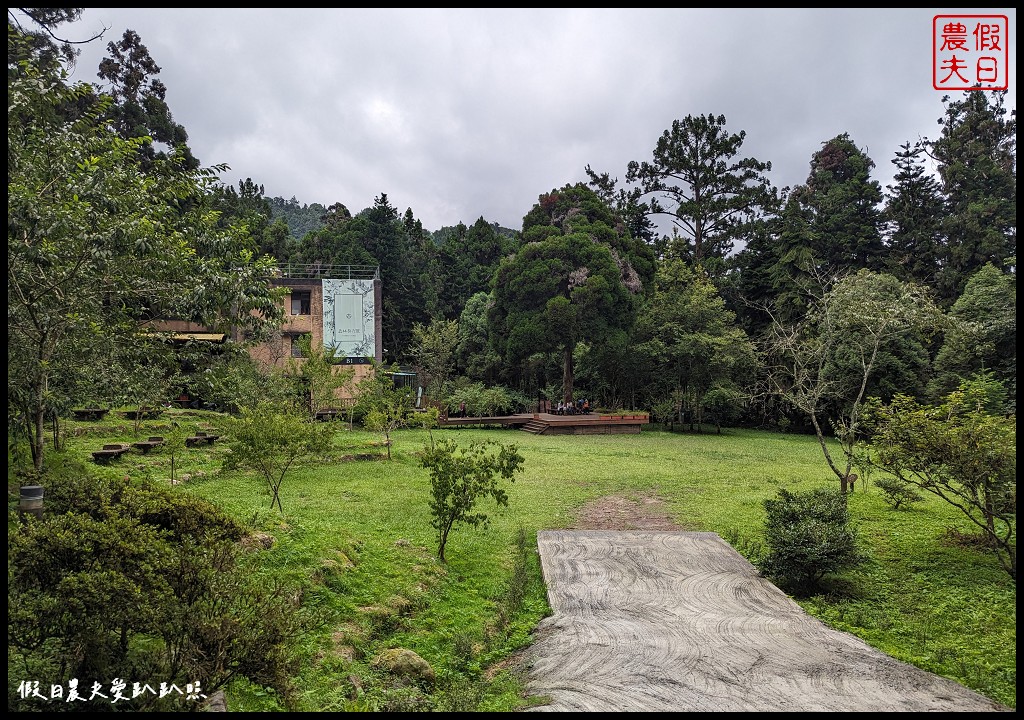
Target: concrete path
{"type": "Point", "coordinates": [679, 621]}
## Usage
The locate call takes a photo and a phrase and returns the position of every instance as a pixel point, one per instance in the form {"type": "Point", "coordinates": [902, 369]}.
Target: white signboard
{"type": "Point", "coordinates": [349, 317]}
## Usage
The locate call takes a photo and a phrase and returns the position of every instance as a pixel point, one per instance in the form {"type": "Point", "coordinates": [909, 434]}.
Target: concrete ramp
{"type": "Point", "coordinates": [647, 621]}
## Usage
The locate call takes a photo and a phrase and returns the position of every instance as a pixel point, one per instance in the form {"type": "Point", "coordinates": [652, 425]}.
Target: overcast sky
{"type": "Point", "coordinates": [459, 114]}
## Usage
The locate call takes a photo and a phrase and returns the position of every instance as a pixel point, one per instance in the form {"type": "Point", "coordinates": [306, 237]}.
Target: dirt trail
{"type": "Point", "coordinates": [660, 619]}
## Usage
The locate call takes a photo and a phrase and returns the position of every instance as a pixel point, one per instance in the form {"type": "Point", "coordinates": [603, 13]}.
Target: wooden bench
{"type": "Point", "coordinates": [110, 451]}
{"type": "Point", "coordinates": [200, 437]}
{"type": "Point", "coordinates": [146, 445]}
{"type": "Point", "coordinates": [90, 413]}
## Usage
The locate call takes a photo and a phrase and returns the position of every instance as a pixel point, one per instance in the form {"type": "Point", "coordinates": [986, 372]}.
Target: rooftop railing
{"type": "Point", "coordinates": [320, 271]}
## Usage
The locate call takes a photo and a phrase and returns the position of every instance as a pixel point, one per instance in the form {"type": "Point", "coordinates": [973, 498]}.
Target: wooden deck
{"type": "Point", "coordinates": [551, 424]}
{"type": "Point", "coordinates": [503, 420]}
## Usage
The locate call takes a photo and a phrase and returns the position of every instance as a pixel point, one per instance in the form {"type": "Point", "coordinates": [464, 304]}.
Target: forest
{"type": "Point", "coordinates": [587, 297]}
{"type": "Point", "coordinates": [691, 326]}
{"type": "Point", "coordinates": [835, 308]}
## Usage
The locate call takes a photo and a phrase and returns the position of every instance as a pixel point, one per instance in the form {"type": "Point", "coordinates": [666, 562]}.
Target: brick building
{"type": "Point", "coordinates": [338, 306]}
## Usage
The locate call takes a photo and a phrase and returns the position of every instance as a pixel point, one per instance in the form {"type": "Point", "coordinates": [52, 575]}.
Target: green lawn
{"type": "Point", "coordinates": [356, 534]}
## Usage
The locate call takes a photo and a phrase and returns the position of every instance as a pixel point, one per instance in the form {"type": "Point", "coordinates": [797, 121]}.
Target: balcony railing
{"type": "Point", "coordinates": [320, 271]}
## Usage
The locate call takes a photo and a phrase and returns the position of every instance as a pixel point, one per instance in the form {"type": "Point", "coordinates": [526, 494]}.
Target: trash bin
{"type": "Point", "coordinates": [31, 501]}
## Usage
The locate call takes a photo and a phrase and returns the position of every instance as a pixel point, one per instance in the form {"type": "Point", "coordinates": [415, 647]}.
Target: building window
{"type": "Point", "coordinates": [300, 302]}
{"type": "Point", "coordinates": [296, 345]}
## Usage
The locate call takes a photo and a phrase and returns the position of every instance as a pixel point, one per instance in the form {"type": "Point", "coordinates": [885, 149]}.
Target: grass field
{"type": "Point", "coordinates": [356, 534]}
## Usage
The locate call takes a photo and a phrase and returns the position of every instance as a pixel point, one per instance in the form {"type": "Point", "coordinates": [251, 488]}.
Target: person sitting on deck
{"type": "Point", "coordinates": [586, 406]}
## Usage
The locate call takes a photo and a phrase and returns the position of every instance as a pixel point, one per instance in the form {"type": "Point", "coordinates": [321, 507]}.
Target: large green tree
{"type": "Point", "coordinates": [829, 225]}
{"type": "Point", "coordinates": [696, 179]}
{"type": "Point", "coordinates": [97, 246]}
{"type": "Point", "coordinates": [796, 260]}
{"type": "Point", "coordinates": [248, 205]}
{"type": "Point", "coordinates": [390, 239]}
{"type": "Point", "coordinates": [844, 203]}
{"type": "Point", "coordinates": [961, 452]}
{"type": "Point", "coordinates": [750, 282]}
{"type": "Point", "coordinates": [823, 364]}
{"type": "Point", "coordinates": [475, 355]}
{"type": "Point", "coordinates": [464, 264]}
{"type": "Point", "coordinates": [977, 162]}
{"type": "Point", "coordinates": [984, 336]}
{"type": "Point", "coordinates": [689, 343]}
{"type": "Point", "coordinates": [434, 348]}
{"type": "Point", "coordinates": [139, 108]}
{"type": "Point", "coordinates": [335, 241]}
{"type": "Point", "coordinates": [913, 217]}
{"type": "Point", "coordinates": [575, 278]}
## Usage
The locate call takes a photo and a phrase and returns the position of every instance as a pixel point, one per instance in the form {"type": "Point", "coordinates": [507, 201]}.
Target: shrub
{"type": "Point", "coordinates": [271, 441]}
{"type": "Point", "coordinates": [486, 401]}
{"type": "Point", "coordinates": [238, 382]}
{"type": "Point", "coordinates": [128, 580]}
{"type": "Point", "coordinates": [808, 535]}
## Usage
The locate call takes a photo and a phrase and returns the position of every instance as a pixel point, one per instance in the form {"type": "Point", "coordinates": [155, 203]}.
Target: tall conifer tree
{"type": "Point", "coordinates": [696, 179]}
{"type": "Point", "coordinates": [977, 161]}
{"type": "Point", "coordinates": [844, 201]}
{"type": "Point", "coordinates": [913, 216]}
